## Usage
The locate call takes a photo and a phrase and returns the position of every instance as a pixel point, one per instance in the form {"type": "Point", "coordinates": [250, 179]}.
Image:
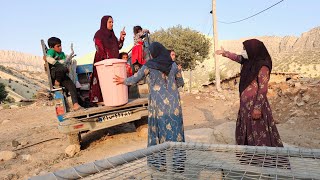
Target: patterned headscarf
{"type": "Point", "coordinates": [161, 59]}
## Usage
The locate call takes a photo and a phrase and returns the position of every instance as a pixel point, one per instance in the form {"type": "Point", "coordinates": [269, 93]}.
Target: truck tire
{"type": "Point", "coordinates": [74, 138]}
{"type": "Point", "coordinates": [142, 126]}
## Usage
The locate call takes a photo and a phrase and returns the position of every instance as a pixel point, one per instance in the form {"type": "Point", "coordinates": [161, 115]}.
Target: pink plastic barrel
{"type": "Point", "coordinates": [113, 95]}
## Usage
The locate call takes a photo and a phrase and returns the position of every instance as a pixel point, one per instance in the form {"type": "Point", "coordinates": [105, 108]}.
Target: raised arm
{"type": "Point", "coordinates": [121, 39]}
{"type": "Point", "coordinates": [233, 56]}
{"type": "Point", "coordinates": [120, 43]}
{"type": "Point", "coordinates": [230, 55]}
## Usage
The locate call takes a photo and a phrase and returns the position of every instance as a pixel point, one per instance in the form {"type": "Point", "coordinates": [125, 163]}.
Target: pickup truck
{"type": "Point", "coordinates": [73, 124]}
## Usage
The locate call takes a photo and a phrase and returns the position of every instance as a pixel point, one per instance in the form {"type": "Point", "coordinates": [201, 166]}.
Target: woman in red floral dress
{"type": "Point", "coordinates": [255, 124]}
{"type": "Point", "coordinates": [107, 47]}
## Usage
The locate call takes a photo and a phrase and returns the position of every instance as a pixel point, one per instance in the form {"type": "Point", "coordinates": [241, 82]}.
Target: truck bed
{"type": "Point", "coordinates": [140, 102]}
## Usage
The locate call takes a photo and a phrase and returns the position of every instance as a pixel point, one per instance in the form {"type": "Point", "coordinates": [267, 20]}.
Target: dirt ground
{"type": "Point", "coordinates": [299, 125]}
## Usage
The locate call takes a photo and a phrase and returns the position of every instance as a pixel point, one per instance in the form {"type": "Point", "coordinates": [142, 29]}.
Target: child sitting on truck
{"type": "Point", "coordinates": [59, 70]}
{"type": "Point", "coordinates": [124, 56]}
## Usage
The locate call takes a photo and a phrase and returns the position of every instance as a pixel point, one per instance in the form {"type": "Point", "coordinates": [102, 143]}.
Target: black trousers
{"type": "Point", "coordinates": [59, 73]}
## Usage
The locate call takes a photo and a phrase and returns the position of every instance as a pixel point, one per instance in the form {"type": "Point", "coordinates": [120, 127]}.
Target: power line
{"type": "Point", "coordinates": [209, 30]}
{"type": "Point", "coordinates": [232, 22]}
{"type": "Point", "coordinates": [208, 23]}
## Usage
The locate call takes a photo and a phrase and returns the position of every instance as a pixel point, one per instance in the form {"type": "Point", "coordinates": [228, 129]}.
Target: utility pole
{"type": "Point", "coordinates": [190, 81]}
{"type": "Point", "coordinates": [215, 39]}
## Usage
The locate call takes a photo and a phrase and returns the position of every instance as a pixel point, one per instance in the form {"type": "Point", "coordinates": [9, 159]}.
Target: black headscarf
{"type": "Point", "coordinates": [258, 56]}
{"type": "Point", "coordinates": [161, 59]}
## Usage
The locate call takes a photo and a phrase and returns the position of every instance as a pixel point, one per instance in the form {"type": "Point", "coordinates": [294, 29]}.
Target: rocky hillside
{"type": "Point", "coordinates": [308, 41]}
{"type": "Point", "coordinates": [289, 54]}
{"type": "Point", "coordinates": [22, 84]}
{"type": "Point", "coordinates": [21, 61]}
{"type": "Point", "coordinates": [23, 74]}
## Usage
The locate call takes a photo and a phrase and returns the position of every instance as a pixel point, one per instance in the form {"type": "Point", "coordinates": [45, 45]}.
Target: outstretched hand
{"type": "Point", "coordinates": [221, 51]}
{"type": "Point", "coordinates": [118, 80]}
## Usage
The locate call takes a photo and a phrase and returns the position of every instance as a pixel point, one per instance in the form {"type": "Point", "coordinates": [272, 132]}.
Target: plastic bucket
{"type": "Point", "coordinates": [113, 95]}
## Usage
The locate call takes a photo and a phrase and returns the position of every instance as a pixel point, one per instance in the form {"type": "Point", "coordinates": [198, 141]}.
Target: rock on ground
{"type": "Point", "coordinates": [201, 135]}
{"type": "Point", "coordinates": [306, 98]}
{"type": "Point", "coordinates": [15, 143]}
{"type": "Point", "coordinates": [143, 132]}
{"type": "Point", "coordinates": [225, 133]}
{"type": "Point", "coordinates": [7, 155]}
{"type": "Point", "coordinates": [26, 157]}
{"type": "Point", "coordinates": [23, 143]}
{"type": "Point", "coordinates": [5, 121]}
{"type": "Point", "coordinates": [221, 134]}
{"type": "Point", "coordinates": [14, 106]}
{"type": "Point", "coordinates": [73, 149]}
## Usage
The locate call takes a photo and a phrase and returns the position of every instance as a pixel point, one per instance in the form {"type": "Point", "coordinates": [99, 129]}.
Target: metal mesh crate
{"type": "Point", "coordinates": [201, 161]}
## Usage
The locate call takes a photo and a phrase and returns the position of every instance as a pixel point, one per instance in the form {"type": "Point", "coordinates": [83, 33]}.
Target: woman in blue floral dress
{"type": "Point", "coordinates": [164, 78]}
{"type": "Point", "coordinates": [165, 122]}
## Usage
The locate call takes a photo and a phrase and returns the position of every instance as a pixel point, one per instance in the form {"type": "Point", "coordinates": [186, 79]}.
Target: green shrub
{"type": "Point", "coordinates": [3, 92]}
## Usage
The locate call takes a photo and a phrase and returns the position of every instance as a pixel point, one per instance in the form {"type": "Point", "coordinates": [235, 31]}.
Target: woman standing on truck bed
{"type": "Point", "coordinates": [164, 78]}
{"type": "Point", "coordinates": [107, 47]}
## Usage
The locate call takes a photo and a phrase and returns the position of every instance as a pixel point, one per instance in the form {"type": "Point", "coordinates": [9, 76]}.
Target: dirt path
{"type": "Point", "coordinates": [35, 123]}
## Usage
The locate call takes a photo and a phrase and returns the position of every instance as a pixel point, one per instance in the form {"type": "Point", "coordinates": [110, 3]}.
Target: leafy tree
{"type": "Point", "coordinates": [190, 46]}
{"type": "Point", "coordinates": [3, 92]}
